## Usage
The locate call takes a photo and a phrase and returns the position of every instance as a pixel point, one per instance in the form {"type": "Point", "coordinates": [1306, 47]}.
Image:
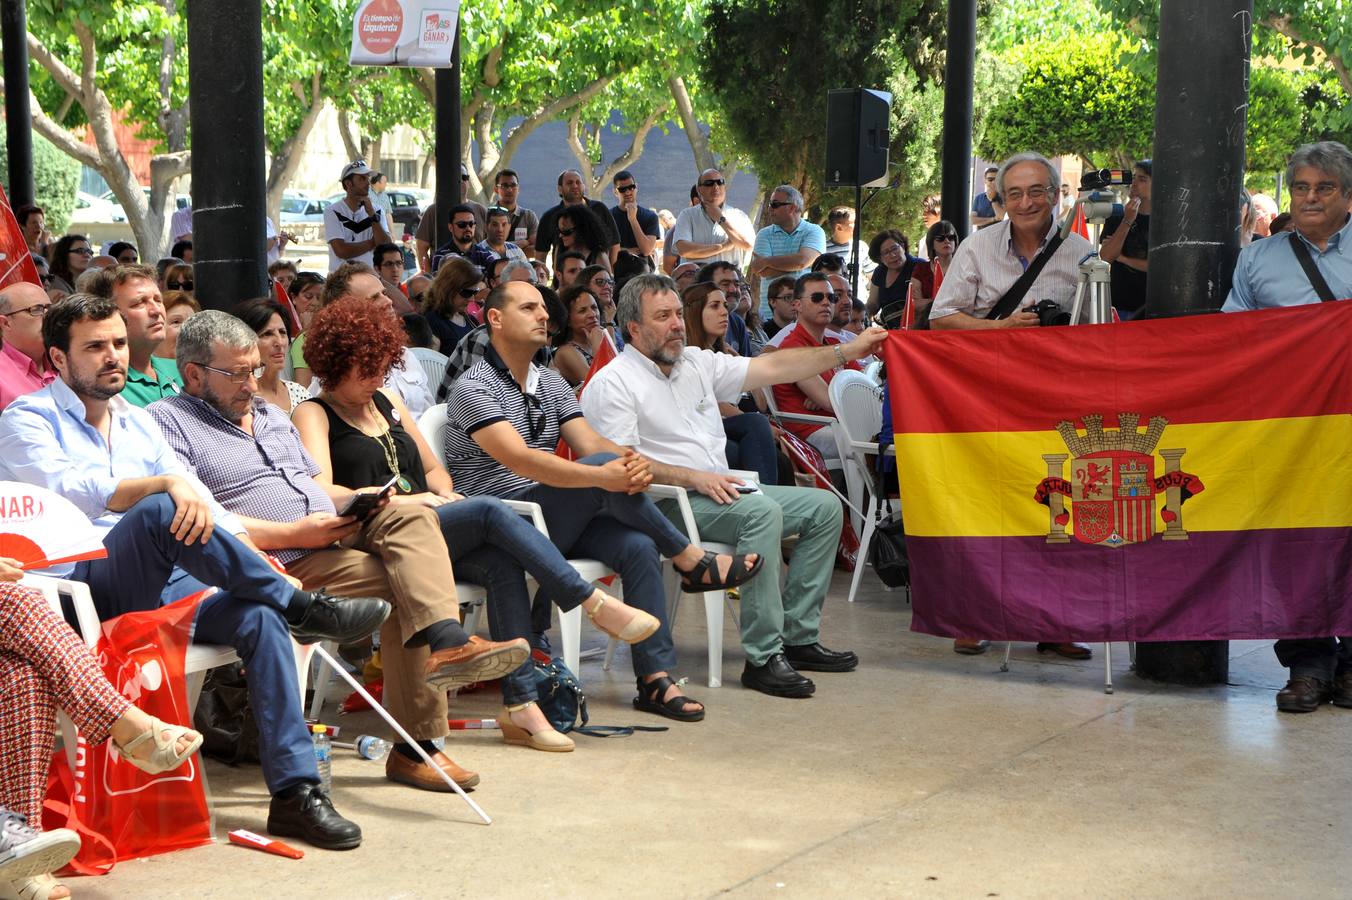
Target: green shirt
{"type": "Point", "coordinates": [141, 391]}
{"type": "Point", "coordinates": [298, 353]}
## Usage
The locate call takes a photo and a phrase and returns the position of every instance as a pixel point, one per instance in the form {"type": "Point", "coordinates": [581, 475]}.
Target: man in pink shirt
{"type": "Point", "coordinates": [23, 360]}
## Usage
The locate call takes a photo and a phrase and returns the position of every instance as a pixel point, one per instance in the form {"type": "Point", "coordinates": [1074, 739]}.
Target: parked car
{"type": "Point", "coordinates": [299, 209]}
{"type": "Point", "coordinates": [91, 210]}
{"type": "Point", "coordinates": [120, 215]}
{"type": "Point", "coordinates": [405, 205]}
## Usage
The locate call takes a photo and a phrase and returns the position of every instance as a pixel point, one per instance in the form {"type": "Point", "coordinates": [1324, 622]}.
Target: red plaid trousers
{"type": "Point", "coordinates": [44, 665]}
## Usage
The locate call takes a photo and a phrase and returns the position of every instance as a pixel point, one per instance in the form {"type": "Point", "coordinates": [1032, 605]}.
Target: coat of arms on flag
{"type": "Point", "coordinates": [1112, 487]}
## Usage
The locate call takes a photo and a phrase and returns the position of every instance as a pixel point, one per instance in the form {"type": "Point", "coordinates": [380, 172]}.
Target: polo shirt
{"type": "Point", "coordinates": [19, 375]}
{"type": "Point", "coordinates": [775, 241]}
{"type": "Point", "coordinates": [1268, 273]}
{"type": "Point", "coordinates": [488, 394]}
{"type": "Point", "coordinates": [789, 397]}
{"type": "Point", "coordinates": [141, 391]}
{"type": "Point", "coordinates": [695, 226]}
{"type": "Point", "coordinates": [674, 418]}
{"type": "Point", "coordinates": [982, 206]}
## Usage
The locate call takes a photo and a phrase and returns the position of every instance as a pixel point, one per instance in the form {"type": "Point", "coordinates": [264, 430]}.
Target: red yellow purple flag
{"type": "Point", "coordinates": [1179, 479]}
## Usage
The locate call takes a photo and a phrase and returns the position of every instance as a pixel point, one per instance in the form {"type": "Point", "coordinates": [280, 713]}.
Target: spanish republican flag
{"type": "Point", "coordinates": [1179, 479]}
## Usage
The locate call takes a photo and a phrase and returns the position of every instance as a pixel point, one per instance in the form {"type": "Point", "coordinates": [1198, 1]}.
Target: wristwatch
{"type": "Point", "coordinates": [722, 219]}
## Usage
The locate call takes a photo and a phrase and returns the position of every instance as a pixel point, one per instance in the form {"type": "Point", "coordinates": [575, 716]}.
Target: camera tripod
{"type": "Point", "coordinates": [1093, 294]}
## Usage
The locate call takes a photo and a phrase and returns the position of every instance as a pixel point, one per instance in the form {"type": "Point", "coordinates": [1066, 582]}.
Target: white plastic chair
{"type": "Point", "coordinates": [808, 419]}
{"type": "Point", "coordinates": [858, 402]}
{"type": "Point", "coordinates": [874, 371]}
{"type": "Point", "coordinates": [433, 365]}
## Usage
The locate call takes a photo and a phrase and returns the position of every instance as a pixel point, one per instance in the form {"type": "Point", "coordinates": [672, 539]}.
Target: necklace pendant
{"type": "Point", "coordinates": [405, 486]}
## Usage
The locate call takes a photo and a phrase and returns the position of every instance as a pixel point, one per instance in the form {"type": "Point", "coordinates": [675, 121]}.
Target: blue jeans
{"type": "Point", "coordinates": [493, 547]}
{"type": "Point", "coordinates": [751, 445]}
{"type": "Point", "coordinates": [147, 567]}
{"type": "Point", "coordinates": [624, 531]}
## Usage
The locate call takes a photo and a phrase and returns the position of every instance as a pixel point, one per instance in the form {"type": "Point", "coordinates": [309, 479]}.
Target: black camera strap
{"type": "Point", "coordinates": [1010, 301]}
{"type": "Point", "coordinates": [1321, 287]}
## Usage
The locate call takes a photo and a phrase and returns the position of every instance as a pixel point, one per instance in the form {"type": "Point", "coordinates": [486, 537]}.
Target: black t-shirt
{"type": "Point", "coordinates": [548, 231]}
{"type": "Point", "coordinates": [1128, 284]}
{"type": "Point", "coordinates": [647, 221]}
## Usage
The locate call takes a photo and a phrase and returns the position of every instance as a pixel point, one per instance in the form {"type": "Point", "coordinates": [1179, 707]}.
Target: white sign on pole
{"type": "Point", "coordinates": [404, 33]}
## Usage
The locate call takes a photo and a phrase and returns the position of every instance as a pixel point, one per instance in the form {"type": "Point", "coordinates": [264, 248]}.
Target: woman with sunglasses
{"type": "Point", "coordinates": [270, 322]}
{"type": "Point", "coordinates": [360, 435]}
{"type": "Point", "coordinates": [70, 259]}
{"type": "Point", "coordinates": [602, 286]}
{"type": "Point", "coordinates": [576, 343]}
{"type": "Point", "coordinates": [941, 242]}
{"type": "Point", "coordinates": [177, 277]}
{"type": "Point", "coordinates": [457, 282]}
{"type": "Point", "coordinates": [580, 230]}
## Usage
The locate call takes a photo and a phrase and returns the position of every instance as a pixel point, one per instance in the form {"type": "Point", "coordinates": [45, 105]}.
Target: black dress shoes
{"type": "Point", "coordinates": [340, 619]}
{"type": "Point", "coordinates": [1342, 690]}
{"type": "Point", "coordinates": [1304, 693]}
{"type": "Point", "coordinates": [305, 811]}
{"type": "Point", "coordinates": [816, 658]}
{"type": "Point", "coordinates": [776, 678]}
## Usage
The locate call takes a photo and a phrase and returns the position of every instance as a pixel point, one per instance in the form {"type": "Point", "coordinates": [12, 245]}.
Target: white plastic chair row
{"type": "Point", "coordinates": [433, 365]}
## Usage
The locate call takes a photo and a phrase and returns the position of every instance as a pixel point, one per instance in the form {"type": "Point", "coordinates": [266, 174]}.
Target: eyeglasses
{"type": "Point", "coordinates": [537, 427]}
{"type": "Point", "coordinates": [712, 182]}
{"type": "Point", "coordinates": [894, 250]}
{"type": "Point", "coordinates": [237, 377]}
{"type": "Point", "coordinates": [179, 285]}
{"type": "Point", "coordinates": [627, 189]}
{"type": "Point", "coordinates": [776, 204]}
{"type": "Point", "coordinates": [567, 232]}
{"type": "Point", "coordinates": [37, 310]}
{"type": "Point", "coordinates": [83, 251]}
{"type": "Point", "coordinates": [46, 279]}
{"type": "Point", "coordinates": [783, 298]}
{"type": "Point", "coordinates": [819, 297]}
{"type": "Point", "coordinates": [1322, 189]}
{"type": "Point", "coordinates": [990, 177]}
{"type": "Point", "coordinates": [504, 185]}
{"type": "Point", "coordinates": [469, 224]}
{"type": "Point", "coordinates": [603, 282]}
{"type": "Point", "coordinates": [1033, 193]}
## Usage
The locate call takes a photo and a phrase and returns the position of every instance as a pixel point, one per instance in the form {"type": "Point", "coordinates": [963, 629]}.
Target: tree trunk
{"type": "Point", "coordinates": [685, 109]}
{"type": "Point", "coordinates": [286, 160]}
{"type": "Point", "coordinates": [350, 141]}
{"type": "Point", "coordinates": [428, 165]}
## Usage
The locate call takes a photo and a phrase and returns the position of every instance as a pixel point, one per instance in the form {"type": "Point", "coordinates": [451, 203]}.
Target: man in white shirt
{"type": "Point", "coordinates": [707, 231]}
{"type": "Point", "coordinates": [354, 225]}
{"type": "Point", "coordinates": [661, 398]}
{"type": "Point", "coordinates": [180, 225]}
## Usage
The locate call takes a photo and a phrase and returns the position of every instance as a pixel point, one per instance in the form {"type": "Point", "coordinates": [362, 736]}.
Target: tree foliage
{"type": "Point", "coordinates": [55, 179]}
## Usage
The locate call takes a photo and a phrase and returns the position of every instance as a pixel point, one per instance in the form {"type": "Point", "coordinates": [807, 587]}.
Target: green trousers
{"type": "Point", "coordinates": [756, 523]}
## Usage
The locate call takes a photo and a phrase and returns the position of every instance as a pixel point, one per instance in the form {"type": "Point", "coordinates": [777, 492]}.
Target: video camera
{"type": "Point", "coordinates": [1100, 203]}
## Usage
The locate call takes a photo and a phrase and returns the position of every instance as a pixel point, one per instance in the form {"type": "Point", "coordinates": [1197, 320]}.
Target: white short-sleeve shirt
{"type": "Point", "coordinates": [674, 420]}
{"type": "Point", "coordinates": [339, 224]}
{"type": "Point", "coordinates": [695, 226]}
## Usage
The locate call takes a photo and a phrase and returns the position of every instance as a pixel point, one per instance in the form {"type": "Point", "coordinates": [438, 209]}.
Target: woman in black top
{"type": "Point", "coordinates": [892, 279]}
{"type": "Point", "coordinates": [579, 230]}
{"type": "Point", "coordinates": [361, 435]}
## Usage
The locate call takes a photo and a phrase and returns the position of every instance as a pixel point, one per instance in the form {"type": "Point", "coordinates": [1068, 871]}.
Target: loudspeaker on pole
{"type": "Point", "coordinates": [857, 138]}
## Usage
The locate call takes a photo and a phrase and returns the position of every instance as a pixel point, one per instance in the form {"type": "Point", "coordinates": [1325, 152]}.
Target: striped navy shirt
{"type": "Point", "coordinates": [486, 394]}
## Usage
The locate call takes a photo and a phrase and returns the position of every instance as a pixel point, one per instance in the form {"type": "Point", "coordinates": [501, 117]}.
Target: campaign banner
{"type": "Point", "coordinates": [16, 262]}
{"type": "Point", "coordinates": [1177, 479]}
{"type": "Point", "coordinates": [40, 528]}
{"type": "Point", "coordinates": [404, 33]}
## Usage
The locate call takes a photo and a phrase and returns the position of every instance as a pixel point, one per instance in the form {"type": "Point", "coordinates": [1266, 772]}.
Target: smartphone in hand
{"type": "Point", "coordinates": [362, 506]}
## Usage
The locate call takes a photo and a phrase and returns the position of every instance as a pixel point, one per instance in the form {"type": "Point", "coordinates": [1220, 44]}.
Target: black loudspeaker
{"type": "Point", "coordinates": [856, 137]}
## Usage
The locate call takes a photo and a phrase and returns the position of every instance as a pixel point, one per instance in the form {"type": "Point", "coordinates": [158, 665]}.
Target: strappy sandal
{"type": "Point", "coordinates": [166, 756]}
{"type": "Point", "coordinates": [649, 699]}
{"type": "Point", "coordinates": [703, 577]}
{"type": "Point", "coordinates": [36, 887]}
{"type": "Point", "coordinates": [641, 627]}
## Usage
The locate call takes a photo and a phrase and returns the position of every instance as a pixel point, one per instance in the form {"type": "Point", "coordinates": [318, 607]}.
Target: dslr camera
{"type": "Point", "coordinates": [1101, 203]}
{"type": "Point", "coordinates": [1048, 313]}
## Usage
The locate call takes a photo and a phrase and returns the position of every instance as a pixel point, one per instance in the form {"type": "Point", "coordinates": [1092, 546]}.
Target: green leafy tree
{"type": "Point", "coordinates": [55, 179]}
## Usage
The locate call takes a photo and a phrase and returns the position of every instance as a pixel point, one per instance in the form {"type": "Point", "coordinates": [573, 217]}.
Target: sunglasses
{"type": "Point", "coordinates": [567, 232]}
{"type": "Point", "coordinates": [179, 285]}
{"type": "Point", "coordinates": [776, 204]}
{"type": "Point", "coordinates": [470, 292]}
{"type": "Point", "coordinates": [819, 297]}
{"type": "Point", "coordinates": [712, 182]}
{"type": "Point", "coordinates": [627, 189]}
{"type": "Point", "coordinates": [464, 178]}
{"type": "Point", "coordinates": [469, 224]}
{"type": "Point", "coordinates": [945, 237]}
{"type": "Point", "coordinates": [83, 251]}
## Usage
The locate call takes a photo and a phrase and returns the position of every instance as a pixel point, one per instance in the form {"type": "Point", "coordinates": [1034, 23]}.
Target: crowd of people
{"type": "Point", "coordinates": [214, 448]}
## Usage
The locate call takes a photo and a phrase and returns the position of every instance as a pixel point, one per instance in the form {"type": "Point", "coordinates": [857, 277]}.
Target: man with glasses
{"type": "Point", "coordinates": [390, 268]}
{"type": "Point", "coordinates": [572, 193]}
{"type": "Point", "coordinates": [1271, 273]}
{"type": "Point", "coordinates": [461, 243]}
{"type": "Point", "coordinates": [841, 242]}
{"type": "Point", "coordinates": [990, 261]}
{"type": "Point", "coordinates": [988, 207]}
{"type": "Point", "coordinates": [787, 246]}
{"type": "Point", "coordinates": [524, 222]}
{"type": "Point", "coordinates": [708, 231]}
{"type": "Point", "coordinates": [816, 307]}
{"type": "Point", "coordinates": [133, 289]}
{"type": "Point", "coordinates": [636, 226]}
{"type": "Point", "coordinates": [24, 366]}
{"type": "Point", "coordinates": [354, 225]}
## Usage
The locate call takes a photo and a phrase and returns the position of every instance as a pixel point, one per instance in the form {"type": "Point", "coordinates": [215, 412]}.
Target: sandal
{"type": "Point", "coordinates": [166, 756]}
{"type": "Point", "coordinates": [38, 887]}
{"type": "Point", "coordinates": [703, 577]}
{"type": "Point", "coordinates": [639, 628]}
{"type": "Point", "coordinates": [650, 695]}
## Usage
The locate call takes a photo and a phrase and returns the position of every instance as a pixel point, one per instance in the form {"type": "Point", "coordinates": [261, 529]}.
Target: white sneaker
{"type": "Point", "coordinates": [25, 851]}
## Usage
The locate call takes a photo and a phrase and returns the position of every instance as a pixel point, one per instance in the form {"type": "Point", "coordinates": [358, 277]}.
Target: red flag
{"type": "Point", "coordinates": [283, 298]}
{"type": "Point", "coordinates": [908, 313]}
{"type": "Point", "coordinates": [16, 261]}
{"type": "Point", "coordinates": [604, 354]}
{"type": "Point", "coordinates": [1081, 227]}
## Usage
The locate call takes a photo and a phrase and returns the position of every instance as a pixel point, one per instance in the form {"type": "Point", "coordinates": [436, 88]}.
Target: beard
{"type": "Point", "coordinates": [90, 387]}
{"type": "Point", "coordinates": [212, 399]}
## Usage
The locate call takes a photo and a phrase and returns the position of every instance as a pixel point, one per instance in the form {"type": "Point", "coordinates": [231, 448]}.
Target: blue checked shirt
{"type": "Point", "coordinates": [1268, 273]}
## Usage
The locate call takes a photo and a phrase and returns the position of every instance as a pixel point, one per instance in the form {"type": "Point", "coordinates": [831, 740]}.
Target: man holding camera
{"type": "Point", "coordinates": [992, 265]}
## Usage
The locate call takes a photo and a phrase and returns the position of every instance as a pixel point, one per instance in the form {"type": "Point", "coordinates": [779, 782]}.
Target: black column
{"type": "Point", "coordinates": [18, 116]}
{"type": "Point", "coordinates": [958, 72]}
{"type": "Point", "coordinates": [225, 90]}
{"type": "Point", "coordinates": [448, 142]}
{"type": "Point", "coordinates": [1194, 223]}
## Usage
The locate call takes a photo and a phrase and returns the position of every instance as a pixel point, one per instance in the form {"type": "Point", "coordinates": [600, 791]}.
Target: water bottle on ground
{"type": "Point", "coordinates": [323, 755]}
{"type": "Point", "coordinates": [367, 746]}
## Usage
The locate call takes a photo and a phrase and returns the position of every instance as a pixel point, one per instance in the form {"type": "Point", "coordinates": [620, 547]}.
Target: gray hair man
{"type": "Point", "coordinates": [655, 398]}
{"type": "Point", "coordinates": [787, 246]}
{"type": "Point", "coordinates": [990, 261]}
{"type": "Point", "coordinates": [1270, 273]}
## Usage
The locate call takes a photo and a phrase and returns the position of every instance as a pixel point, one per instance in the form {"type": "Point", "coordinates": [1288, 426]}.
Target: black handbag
{"type": "Point", "coordinates": [562, 700]}
{"type": "Point", "coordinates": [887, 548]}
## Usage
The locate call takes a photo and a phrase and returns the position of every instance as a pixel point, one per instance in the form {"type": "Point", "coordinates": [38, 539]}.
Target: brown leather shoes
{"type": "Point", "coordinates": [420, 775]}
{"type": "Point", "coordinates": [479, 660]}
{"type": "Point", "coordinates": [1342, 690]}
{"type": "Point", "coordinates": [968, 647]}
{"type": "Point", "coordinates": [1068, 650]}
{"type": "Point", "coordinates": [1303, 694]}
